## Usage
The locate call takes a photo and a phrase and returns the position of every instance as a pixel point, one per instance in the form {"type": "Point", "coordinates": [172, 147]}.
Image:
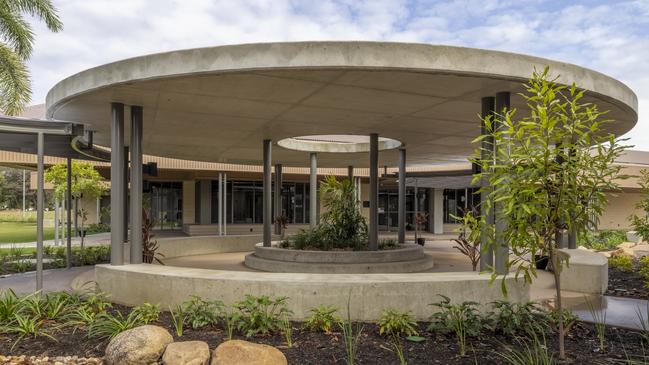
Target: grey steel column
{"type": "Point", "coordinates": [225, 204]}
{"type": "Point", "coordinates": [68, 221]}
{"type": "Point", "coordinates": [572, 231]}
{"type": "Point", "coordinates": [350, 174]}
{"type": "Point", "coordinates": [487, 258]}
{"type": "Point", "coordinates": [56, 221]}
{"type": "Point", "coordinates": [117, 185]}
{"type": "Point", "coordinates": [373, 233]}
{"type": "Point", "coordinates": [502, 250]}
{"type": "Point", "coordinates": [313, 191]}
{"type": "Point", "coordinates": [40, 197]}
{"type": "Point", "coordinates": [402, 195]}
{"type": "Point", "coordinates": [278, 197]}
{"type": "Point", "coordinates": [220, 204]}
{"type": "Point", "coordinates": [125, 193]}
{"type": "Point", "coordinates": [267, 204]}
{"type": "Point", "coordinates": [136, 184]}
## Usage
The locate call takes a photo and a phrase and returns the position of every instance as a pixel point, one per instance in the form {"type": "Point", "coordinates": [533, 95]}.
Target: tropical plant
{"type": "Point", "coordinates": [10, 305]}
{"type": "Point", "coordinates": [200, 313]}
{"type": "Point", "coordinates": [512, 319]}
{"type": "Point", "coordinates": [550, 169]}
{"type": "Point", "coordinates": [108, 325]}
{"type": "Point", "coordinates": [149, 245]}
{"type": "Point", "coordinates": [621, 262]}
{"type": "Point", "coordinates": [461, 319]}
{"type": "Point", "coordinates": [640, 223]}
{"type": "Point", "coordinates": [396, 323]}
{"type": "Point", "coordinates": [322, 318]}
{"type": "Point", "coordinates": [342, 225]}
{"type": "Point", "coordinates": [26, 326]}
{"type": "Point", "coordinates": [147, 312]}
{"type": "Point", "coordinates": [603, 240]}
{"type": "Point", "coordinates": [261, 315]}
{"type": "Point", "coordinates": [468, 242]}
{"type": "Point", "coordinates": [178, 319]}
{"type": "Point", "coordinates": [17, 47]}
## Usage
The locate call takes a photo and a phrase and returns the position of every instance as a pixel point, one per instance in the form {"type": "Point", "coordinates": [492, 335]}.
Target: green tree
{"type": "Point", "coordinates": [11, 189]}
{"type": "Point", "coordinates": [550, 170]}
{"type": "Point", "coordinates": [16, 47]}
{"type": "Point", "coordinates": [86, 182]}
{"type": "Point", "coordinates": [641, 223]}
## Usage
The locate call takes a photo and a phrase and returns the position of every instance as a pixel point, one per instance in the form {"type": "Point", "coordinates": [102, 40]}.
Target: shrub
{"type": "Point", "coordinates": [97, 228]}
{"type": "Point", "coordinates": [147, 312]}
{"type": "Point", "coordinates": [261, 315]}
{"type": "Point", "coordinates": [200, 313]}
{"type": "Point", "coordinates": [644, 267]}
{"type": "Point", "coordinates": [107, 325]}
{"type": "Point", "coordinates": [395, 323]}
{"type": "Point", "coordinates": [322, 318]}
{"type": "Point", "coordinates": [603, 240]}
{"type": "Point", "coordinates": [24, 326]}
{"type": "Point", "coordinates": [468, 242]}
{"type": "Point", "coordinates": [461, 319]}
{"type": "Point", "coordinates": [621, 262]}
{"type": "Point", "coordinates": [387, 244]}
{"type": "Point", "coordinates": [10, 305]}
{"type": "Point", "coordinates": [517, 318]}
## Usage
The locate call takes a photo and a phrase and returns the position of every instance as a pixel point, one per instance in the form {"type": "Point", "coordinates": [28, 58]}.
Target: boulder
{"type": "Point", "coordinates": [237, 352]}
{"type": "Point", "coordinates": [138, 346]}
{"type": "Point", "coordinates": [187, 353]}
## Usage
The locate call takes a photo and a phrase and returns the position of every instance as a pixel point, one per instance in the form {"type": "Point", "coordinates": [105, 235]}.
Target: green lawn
{"type": "Point", "coordinates": [14, 232]}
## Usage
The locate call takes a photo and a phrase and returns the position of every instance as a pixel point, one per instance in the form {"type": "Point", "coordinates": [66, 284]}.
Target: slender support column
{"type": "Point", "coordinates": [68, 219]}
{"type": "Point", "coordinates": [56, 221]}
{"type": "Point", "coordinates": [98, 210]}
{"type": "Point", "coordinates": [225, 203]}
{"type": "Point", "coordinates": [487, 258]}
{"type": "Point", "coordinates": [350, 174]}
{"type": "Point", "coordinates": [125, 194]}
{"type": "Point", "coordinates": [502, 250]}
{"type": "Point", "coordinates": [24, 190]}
{"type": "Point", "coordinates": [136, 184]}
{"type": "Point", "coordinates": [373, 233]}
{"type": "Point", "coordinates": [40, 201]}
{"type": "Point", "coordinates": [438, 211]}
{"type": "Point", "coordinates": [402, 195]}
{"type": "Point", "coordinates": [267, 203]}
{"type": "Point", "coordinates": [313, 191]}
{"type": "Point", "coordinates": [220, 204]}
{"type": "Point", "coordinates": [117, 185]}
{"type": "Point", "coordinates": [278, 197]}
{"type": "Point", "coordinates": [572, 232]}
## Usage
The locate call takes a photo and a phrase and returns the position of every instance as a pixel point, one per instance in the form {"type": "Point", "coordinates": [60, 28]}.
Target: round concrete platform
{"type": "Point", "coordinates": [404, 259]}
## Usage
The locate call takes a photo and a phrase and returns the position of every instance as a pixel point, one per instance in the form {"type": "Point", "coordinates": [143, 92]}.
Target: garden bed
{"type": "Point", "coordinates": [311, 347]}
{"type": "Point", "coordinates": [628, 284]}
{"type": "Point", "coordinates": [18, 260]}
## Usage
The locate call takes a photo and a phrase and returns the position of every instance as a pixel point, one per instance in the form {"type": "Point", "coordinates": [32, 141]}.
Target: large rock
{"type": "Point", "coordinates": [138, 346]}
{"type": "Point", "coordinates": [237, 352]}
{"type": "Point", "coordinates": [187, 353]}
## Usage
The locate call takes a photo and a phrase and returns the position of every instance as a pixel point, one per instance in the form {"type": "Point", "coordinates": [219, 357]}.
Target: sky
{"type": "Point", "coordinates": [611, 37]}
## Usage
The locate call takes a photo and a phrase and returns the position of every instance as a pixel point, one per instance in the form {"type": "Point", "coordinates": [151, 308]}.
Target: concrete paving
{"type": "Point", "coordinates": [53, 280]}
{"type": "Point", "coordinates": [618, 312]}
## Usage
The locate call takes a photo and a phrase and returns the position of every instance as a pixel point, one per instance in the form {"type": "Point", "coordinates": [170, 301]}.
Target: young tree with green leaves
{"type": "Point", "coordinates": [641, 223]}
{"type": "Point", "coordinates": [86, 182]}
{"type": "Point", "coordinates": [16, 47]}
{"type": "Point", "coordinates": [550, 169]}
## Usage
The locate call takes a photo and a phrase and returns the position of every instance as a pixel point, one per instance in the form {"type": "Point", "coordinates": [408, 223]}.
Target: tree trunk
{"type": "Point", "coordinates": [556, 270]}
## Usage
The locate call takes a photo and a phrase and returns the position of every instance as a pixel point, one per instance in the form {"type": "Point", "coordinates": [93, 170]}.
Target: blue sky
{"type": "Point", "coordinates": [609, 36]}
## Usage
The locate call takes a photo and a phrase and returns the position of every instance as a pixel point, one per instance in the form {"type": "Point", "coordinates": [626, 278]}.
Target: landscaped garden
{"type": "Point", "coordinates": [60, 324]}
{"type": "Point", "coordinates": [16, 259]}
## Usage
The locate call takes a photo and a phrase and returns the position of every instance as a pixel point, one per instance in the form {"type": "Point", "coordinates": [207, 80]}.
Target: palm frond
{"type": "Point", "coordinates": [15, 90]}
{"type": "Point", "coordinates": [42, 9]}
{"type": "Point", "coordinates": [16, 31]}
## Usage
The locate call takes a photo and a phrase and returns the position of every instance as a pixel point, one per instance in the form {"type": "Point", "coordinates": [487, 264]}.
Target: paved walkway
{"type": "Point", "coordinates": [53, 280]}
{"type": "Point", "coordinates": [619, 312]}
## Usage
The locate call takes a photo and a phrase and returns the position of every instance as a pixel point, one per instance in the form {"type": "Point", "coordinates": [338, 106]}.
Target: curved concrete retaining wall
{"type": "Point", "coordinates": [202, 245]}
{"type": "Point", "coordinates": [369, 294]}
{"type": "Point", "coordinates": [404, 253]}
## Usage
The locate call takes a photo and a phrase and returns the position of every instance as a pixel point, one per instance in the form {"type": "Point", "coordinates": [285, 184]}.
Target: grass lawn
{"type": "Point", "coordinates": [14, 232]}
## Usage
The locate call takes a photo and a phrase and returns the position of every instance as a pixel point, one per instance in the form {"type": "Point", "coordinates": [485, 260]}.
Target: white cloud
{"type": "Point", "coordinates": [609, 37]}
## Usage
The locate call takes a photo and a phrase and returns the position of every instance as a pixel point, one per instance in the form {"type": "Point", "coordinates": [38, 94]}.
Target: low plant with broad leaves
{"type": "Point", "coordinates": [461, 319]}
{"type": "Point", "coordinates": [261, 315]}
{"type": "Point", "coordinates": [323, 318]}
{"type": "Point", "coordinates": [397, 323]}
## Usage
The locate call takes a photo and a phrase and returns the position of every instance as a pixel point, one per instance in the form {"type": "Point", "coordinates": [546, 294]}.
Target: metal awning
{"type": "Point", "coordinates": [61, 139]}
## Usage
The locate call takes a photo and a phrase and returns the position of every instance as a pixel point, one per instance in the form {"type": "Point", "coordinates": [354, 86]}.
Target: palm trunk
{"type": "Point", "coordinates": [556, 269]}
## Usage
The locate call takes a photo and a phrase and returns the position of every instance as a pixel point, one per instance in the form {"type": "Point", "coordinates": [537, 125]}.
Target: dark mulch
{"type": "Point", "coordinates": [318, 348]}
{"type": "Point", "coordinates": [627, 284]}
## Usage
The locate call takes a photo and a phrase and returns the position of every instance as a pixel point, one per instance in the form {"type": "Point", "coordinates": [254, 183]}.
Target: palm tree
{"type": "Point", "coordinates": [16, 47]}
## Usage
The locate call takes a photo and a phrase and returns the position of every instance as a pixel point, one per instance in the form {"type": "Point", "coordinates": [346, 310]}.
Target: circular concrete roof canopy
{"type": "Point", "coordinates": [218, 104]}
